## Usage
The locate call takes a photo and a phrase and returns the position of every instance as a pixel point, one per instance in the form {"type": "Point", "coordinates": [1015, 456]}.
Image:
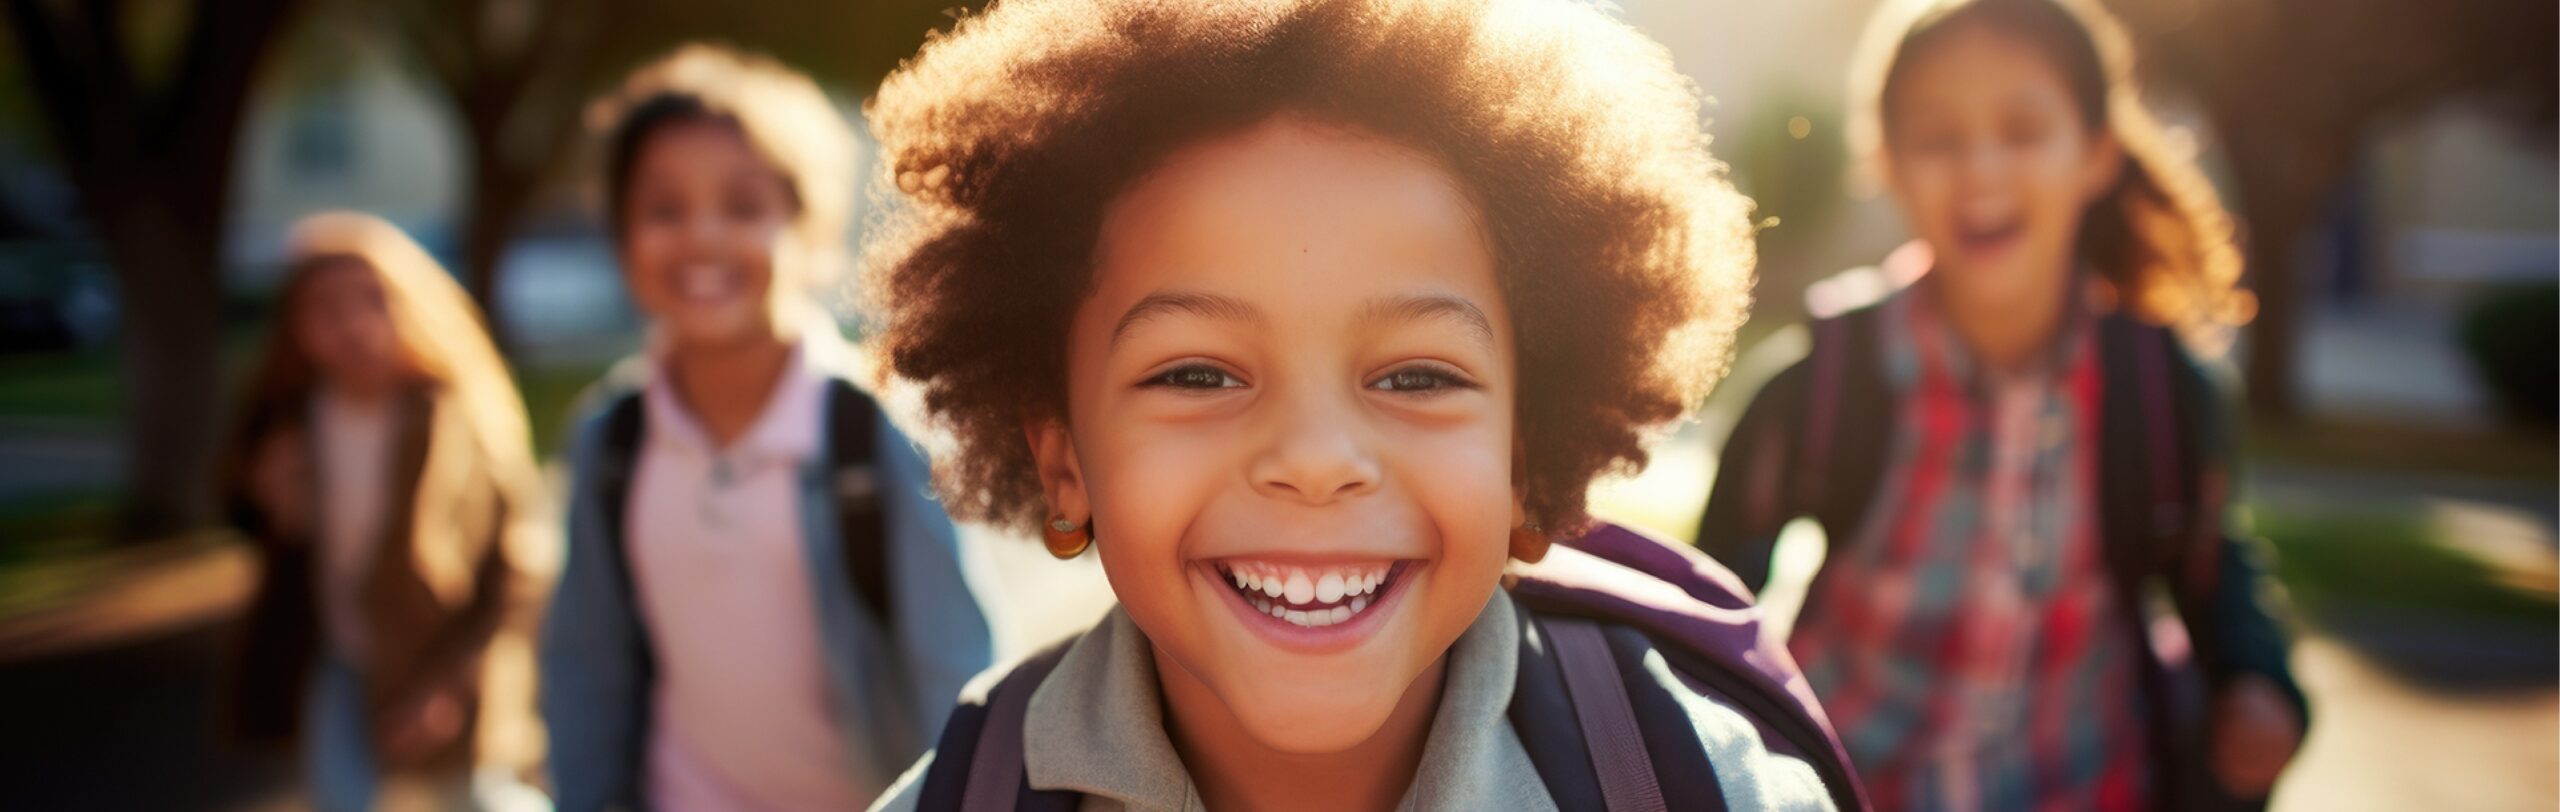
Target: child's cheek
{"type": "Point", "coordinates": [1461, 482]}
{"type": "Point", "coordinates": [1149, 484]}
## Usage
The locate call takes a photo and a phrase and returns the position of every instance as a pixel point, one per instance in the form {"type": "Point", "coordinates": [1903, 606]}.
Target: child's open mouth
{"type": "Point", "coordinates": [1982, 239]}
{"type": "Point", "coordinates": [1310, 596]}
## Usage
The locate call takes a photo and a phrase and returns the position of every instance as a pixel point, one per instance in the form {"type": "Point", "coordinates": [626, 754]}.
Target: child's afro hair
{"type": "Point", "coordinates": [1624, 255]}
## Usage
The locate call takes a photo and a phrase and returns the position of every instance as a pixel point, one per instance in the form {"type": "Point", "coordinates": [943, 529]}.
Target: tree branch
{"type": "Point", "coordinates": [210, 88]}
{"type": "Point", "coordinates": [447, 56]}
{"type": "Point", "coordinates": [65, 82]}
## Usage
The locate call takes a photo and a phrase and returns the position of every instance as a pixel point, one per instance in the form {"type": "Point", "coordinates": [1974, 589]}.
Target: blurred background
{"type": "Point", "coordinates": [2392, 164]}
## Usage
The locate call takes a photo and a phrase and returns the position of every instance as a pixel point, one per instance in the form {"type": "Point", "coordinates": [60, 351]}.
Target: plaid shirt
{"type": "Point", "coordinates": [1968, 644]}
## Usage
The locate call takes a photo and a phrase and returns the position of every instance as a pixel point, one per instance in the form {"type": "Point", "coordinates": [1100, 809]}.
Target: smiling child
{"type": "Point", "coordinates": [1308, 318]}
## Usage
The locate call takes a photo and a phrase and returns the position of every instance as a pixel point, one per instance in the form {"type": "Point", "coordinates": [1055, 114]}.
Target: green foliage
{"type": "Point", "coordinates": [2387, 558]}
{"type": "Point", "coordinates": [1791, 158]}
{"type": "Point", "coordinates": [2513, 339]}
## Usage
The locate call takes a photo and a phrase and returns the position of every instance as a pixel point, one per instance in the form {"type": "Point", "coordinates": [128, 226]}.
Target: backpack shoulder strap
{"type": "Point", "coordinates": [978, 765]}
{"type": "Point", "coordinates": [1542, 714]}
{"type": "Point", "coordinates": [2147, 458]}
{"type": "Point", "coordinates": [861, 518]}
{"type": "Point", "coordinates": [1645, 596]}
{"type": "Point", "coordinates": [1848, 421]}
{"type": "Point", "coordinates": [625, 427]}
{"type": "Point", "coordinates": [1609, 724]}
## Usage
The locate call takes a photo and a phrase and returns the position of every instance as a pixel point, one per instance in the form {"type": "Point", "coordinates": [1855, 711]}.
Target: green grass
{"type": "Point", "coordinates": [58, 515]}
{"type": "Point", "coordinates": [2391, 558]}
{"type": "Point", "coordinates": [78, 385]}
{"type": "Point", "coordinates": [87, 387]}
{"type": "Point", "coordinates": [549, 390]}
{"type": "Point", "coordinates": [55, 544]}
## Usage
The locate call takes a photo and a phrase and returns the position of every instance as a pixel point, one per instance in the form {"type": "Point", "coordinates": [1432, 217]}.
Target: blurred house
{"type": "Point", "coordinates": [341, 122]}
{"type": "Point", "coordinates": [2457, 201]}
{"type": "Point", "coordinates": [2444, 212]}
{"type": "Point", "coordinates": [345, 120]}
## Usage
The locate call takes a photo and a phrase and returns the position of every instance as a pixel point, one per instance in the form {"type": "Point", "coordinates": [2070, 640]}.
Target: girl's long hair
{"type": "Point", "coordinates": [439, 331]}
{"type": "Point", "coordinates": [2161, 239]}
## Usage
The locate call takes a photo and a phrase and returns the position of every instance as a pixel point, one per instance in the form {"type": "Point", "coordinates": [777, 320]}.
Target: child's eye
{"type": "Point", "coordinates": [1194, 376]}
{"type": "Point", "coordinates": [2024, 135]}
{"type": "Point", "coordinates": [1421, 379]}
{"type": "Point", "coordinates": [1936, 145]}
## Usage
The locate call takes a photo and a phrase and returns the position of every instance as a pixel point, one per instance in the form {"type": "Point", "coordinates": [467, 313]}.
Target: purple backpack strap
{"type": "Point", "coordinates": [995, 771]}
{"type": "Point", "coordinates": [1608, 718]}
{"type": "Point", "coordinates": [1698, 614]}
{"type": "Point", "coordinates": [978, 764]}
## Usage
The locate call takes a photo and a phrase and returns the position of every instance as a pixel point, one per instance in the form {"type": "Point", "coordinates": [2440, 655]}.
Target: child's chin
{"type": "Point", "coordinates": [711, 324]}
{"type": "Point", "coordinates": [1317, 719]}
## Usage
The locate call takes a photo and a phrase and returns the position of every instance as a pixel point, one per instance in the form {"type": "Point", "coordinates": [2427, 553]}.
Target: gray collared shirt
{"type": "Point", "coordinates": [1095, 727]}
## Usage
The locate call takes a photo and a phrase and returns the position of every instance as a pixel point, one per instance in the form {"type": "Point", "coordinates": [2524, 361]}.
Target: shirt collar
{"type": "Point", "coordinates": [1936, 349]}
{"type": "Point", "coordinates": [788, 429]}
{"type": "Point", "coordinates": [1096, 725]}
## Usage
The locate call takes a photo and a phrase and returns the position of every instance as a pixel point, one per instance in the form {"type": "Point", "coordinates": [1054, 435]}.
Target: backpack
{"type": "Point", "coordinates": [860, 524]}
{"type": "Point", "coordinates": [2149, 467]}
{"type": "Point", "coordinates": [1602, 733]}
{"type": "Point", "coordinates": [2154, 435]}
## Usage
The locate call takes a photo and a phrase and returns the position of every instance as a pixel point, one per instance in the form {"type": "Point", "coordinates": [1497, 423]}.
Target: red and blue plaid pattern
{"type": "Point", "coordinates": [1967, 644]}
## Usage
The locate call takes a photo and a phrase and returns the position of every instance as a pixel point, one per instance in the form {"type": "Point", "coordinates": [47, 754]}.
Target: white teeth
{"type": "Point", "coordinates": [706, 282]}
{"type": "Point", "coordinates": [1299, 589]}
{"type": "Point", "coordinates": [1329, 588]}
{"type": "Point", "coordinates": [1328, 597]}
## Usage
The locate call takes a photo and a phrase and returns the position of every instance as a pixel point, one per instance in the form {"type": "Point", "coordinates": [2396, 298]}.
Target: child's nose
{"type": "Point", "coordinates": [1986, 161]}
{"type": "Point", "coordinates": [1316, 459]}
{"type": "Point", "coordinates": [704, 228]}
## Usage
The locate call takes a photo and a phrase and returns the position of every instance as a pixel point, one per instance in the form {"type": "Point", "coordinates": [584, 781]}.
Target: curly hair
{"type": "Point", "coordinates": [783, 115]}
{"type": "Point", "coordinates": [2161, 239]}
{"type": "Point", "coordinates": [1621, 250]}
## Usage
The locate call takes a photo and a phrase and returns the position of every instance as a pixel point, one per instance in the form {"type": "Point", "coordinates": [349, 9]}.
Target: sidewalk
{"type": "Point", "coordinates": [2379, 743]}
{"type": "Point", "coordinates": [117, 596]}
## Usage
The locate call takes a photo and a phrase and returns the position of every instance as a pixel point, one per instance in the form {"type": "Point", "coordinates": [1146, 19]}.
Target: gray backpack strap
{"type": "Point", "coordinates": [1608, 718]}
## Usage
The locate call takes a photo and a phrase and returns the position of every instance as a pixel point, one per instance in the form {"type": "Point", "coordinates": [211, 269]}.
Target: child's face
{"type": "Point", "coordinates": [707, 234]}
{"type": "Point", "coordinates": [1295, 367]}
{"type": "Point", "coordinates": [1994, 165]}
{"type": "Point", "coordinates": [342, 322]}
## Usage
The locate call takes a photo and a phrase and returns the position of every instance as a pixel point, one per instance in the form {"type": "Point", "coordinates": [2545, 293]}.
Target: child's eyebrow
{"type": "Point", "coordinates": [1431, 306]}
{"type": "Point", "coordinates": [1204, 305]}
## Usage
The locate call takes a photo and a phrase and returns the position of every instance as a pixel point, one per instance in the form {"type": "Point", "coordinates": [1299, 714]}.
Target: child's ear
{"type": "Point", "coordinates": [1529, 542]}
{"type": "Point", "coordinates": [1053, 453]}
{"type": "Point", "coordinates": [2104, 168]}
{"type": "Point", "coordinates": [1519, 482]}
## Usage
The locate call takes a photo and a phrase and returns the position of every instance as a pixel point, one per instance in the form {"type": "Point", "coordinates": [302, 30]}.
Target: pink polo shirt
{"type": "Point", "coordinates": [743, 718]}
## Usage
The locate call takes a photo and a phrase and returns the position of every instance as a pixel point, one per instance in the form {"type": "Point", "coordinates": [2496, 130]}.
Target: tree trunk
{"type": "Point", "coordinates": [172, 333]}
{"type": "Point", "coordinates": [2274, 343]}
{"type": "Point", "coordinates": [2282, 177]}
{"type": "Point", "coordinates": [495, 204]}
{"type": "Point", "coordinates": [152, 163]}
